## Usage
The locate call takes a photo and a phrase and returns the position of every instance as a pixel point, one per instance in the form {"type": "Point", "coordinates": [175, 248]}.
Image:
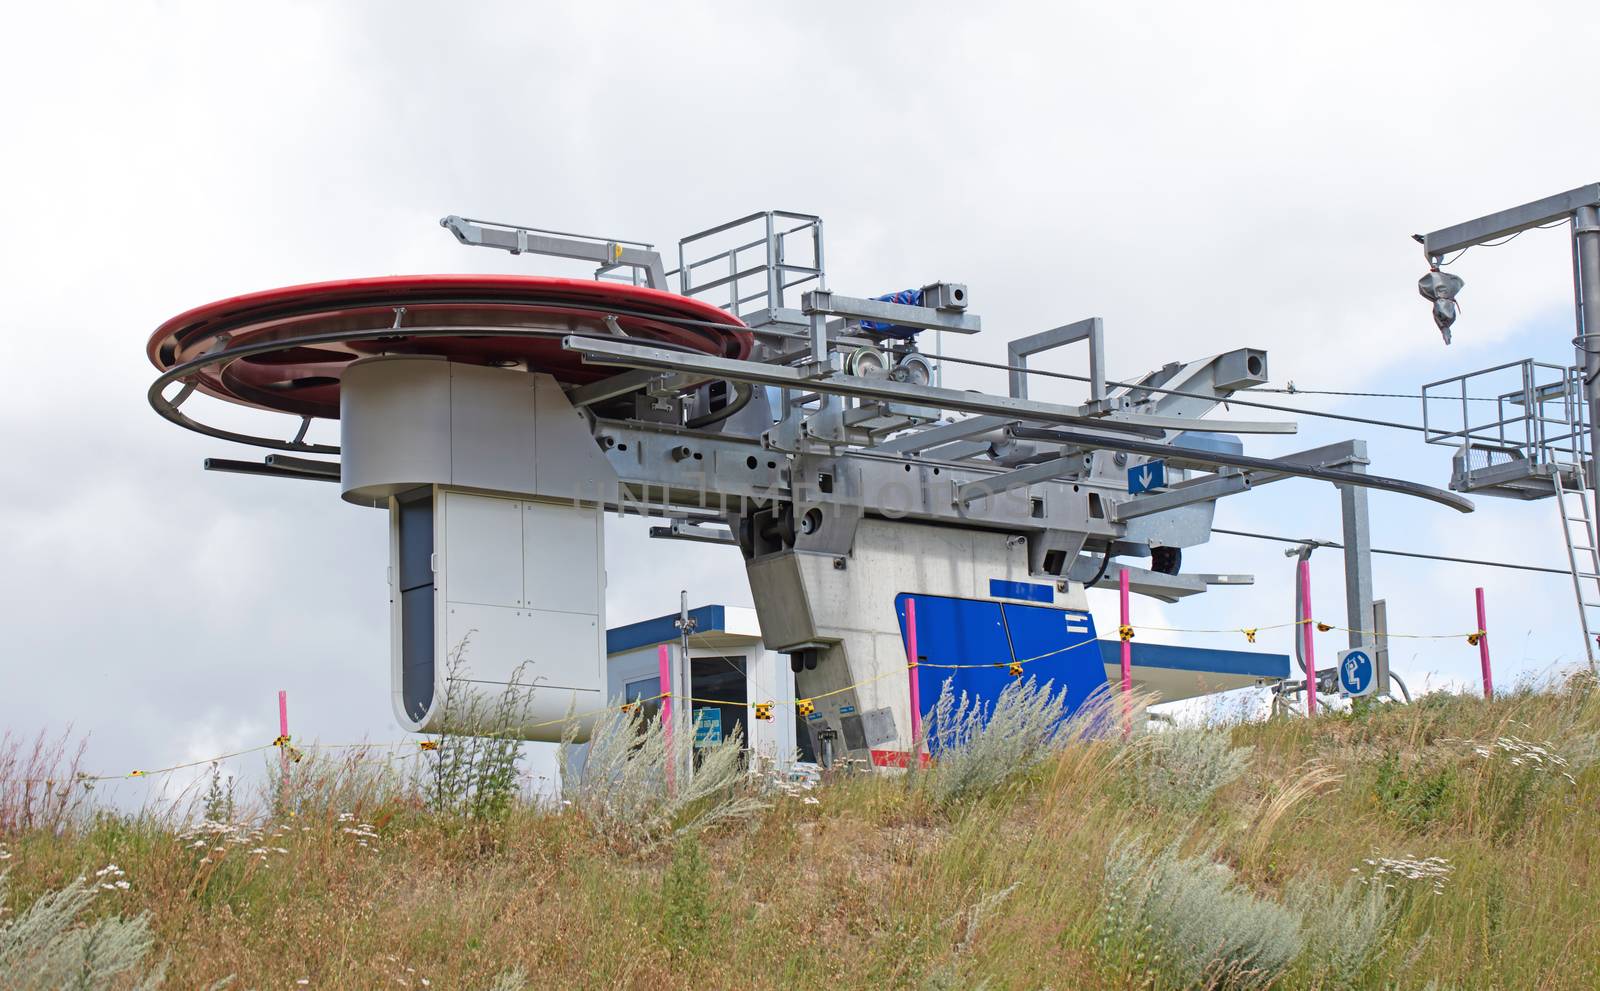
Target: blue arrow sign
{"type": "Point", "coordinates": [1357, 673]}
{"type": "Point", "coordinates": [1147, 477]}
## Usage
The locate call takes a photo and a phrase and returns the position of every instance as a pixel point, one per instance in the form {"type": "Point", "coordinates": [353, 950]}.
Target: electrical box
{"type": "Point", "coordinates": [1241, 369]}
{"type": "Point", "coordinates": [948, 296]}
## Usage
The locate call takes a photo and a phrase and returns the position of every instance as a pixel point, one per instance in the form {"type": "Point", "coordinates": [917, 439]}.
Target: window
{"type": "Point", "coordinates": [414, 512]}
{"type": "Point", "coordinates": [646, 691]}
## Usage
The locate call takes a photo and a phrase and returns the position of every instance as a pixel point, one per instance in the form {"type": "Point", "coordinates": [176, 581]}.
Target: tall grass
{"type": "Point", "coordinates": [1180, 770]}
{"type": "Point", "coordinates": [633, 784]}
{"type": "Point", "coordinates": [473, 770]}
{"type": "Point", "coordinates": [49, 946]}
{"type": "Point", "coordinates": [42, 785]}
{"type": "Point", "coordinates": [1050, 866]}
{"type": "Point", "coordinates": [980, 745]}
{"type": "Point", "coordinates": [1188, 923]}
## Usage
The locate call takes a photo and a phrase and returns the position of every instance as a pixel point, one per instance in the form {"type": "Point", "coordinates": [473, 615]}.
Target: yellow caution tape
{"type": "Point", "coordinates": [293, 752]}
{"type": "Point", "coordinates": [764, 710]}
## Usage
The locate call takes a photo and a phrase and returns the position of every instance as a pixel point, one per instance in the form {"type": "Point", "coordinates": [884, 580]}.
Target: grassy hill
{"type": "Point", "coordinates": [1452, 843]}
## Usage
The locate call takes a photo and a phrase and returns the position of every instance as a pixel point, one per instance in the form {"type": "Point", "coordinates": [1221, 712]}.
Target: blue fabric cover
{"type": "Point", "coordinates": [910, 297]}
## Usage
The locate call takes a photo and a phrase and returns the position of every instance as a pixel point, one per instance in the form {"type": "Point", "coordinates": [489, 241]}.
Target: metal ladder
{"type": "Point", "coordinates": [1583, 557]}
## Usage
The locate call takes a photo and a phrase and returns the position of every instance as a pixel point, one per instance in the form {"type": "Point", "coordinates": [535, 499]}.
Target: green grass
{"type": "Point", "coordinates": [881, 884]}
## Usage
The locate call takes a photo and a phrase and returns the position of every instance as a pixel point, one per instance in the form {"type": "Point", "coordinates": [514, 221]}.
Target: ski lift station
{"type": "Point", "coordinates": [733, 669]}
{"type": "Point", "coordinates": [896, 533]}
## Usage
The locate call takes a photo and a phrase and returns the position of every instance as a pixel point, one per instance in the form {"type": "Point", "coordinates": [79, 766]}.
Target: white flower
{"type": "Point", "coordinates": [1435, 870]}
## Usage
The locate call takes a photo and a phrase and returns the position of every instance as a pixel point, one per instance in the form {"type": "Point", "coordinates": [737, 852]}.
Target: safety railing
{"type": "Point", "coordinates": [751, 263]}
{"type": "Point", "coordinates": [1511, 421]}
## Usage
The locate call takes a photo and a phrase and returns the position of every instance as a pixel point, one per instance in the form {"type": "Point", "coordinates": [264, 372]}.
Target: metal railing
{"type": "Point", "coordinates": [1527, 411]}
{"type": "Point", "coordinates": [770, 255]}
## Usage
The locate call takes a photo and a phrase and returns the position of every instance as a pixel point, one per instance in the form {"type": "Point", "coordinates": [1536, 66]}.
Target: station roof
{"type": "Point", "coordinates": [714, 626]}
{"type": "Point", "coordinates": [1179, 672]}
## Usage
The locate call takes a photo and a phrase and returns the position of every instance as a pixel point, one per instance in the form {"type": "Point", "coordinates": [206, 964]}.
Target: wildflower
{"type": "Point", "coordinates": [1525, 753]}
{"type": "Point", "coordinates": [362, 831]}
{"type": "Point", "coordinates": [1388, 870]}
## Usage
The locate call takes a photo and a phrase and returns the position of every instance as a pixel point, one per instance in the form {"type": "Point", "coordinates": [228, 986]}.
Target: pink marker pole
{"type": "Point", "coordinates": [916, 687]}
{"type": "Point", "coordinates": [1483, 648]}
{"type": "Point", "coordinates": [283, 731]}
{"type": "Point", "coordinates": [664, 668]}
{"type": "Point", "coordinates": [1127, 645]}
{"type": "Point", "coordinates": [1127, 656]}
{"type": "Point", "coordinates": [1306, 631]}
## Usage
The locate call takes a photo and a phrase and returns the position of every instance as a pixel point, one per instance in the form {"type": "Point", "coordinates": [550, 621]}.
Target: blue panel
{"type": "Point", "coordinates": [1064, 644]}
{"type": "Point", "coordinates": [1027, 591]}
{"type": "Point", "coordinates": [663, 629]}
{"type": "Point", "coordinates": [1160, 655]}
{"type": "Point", "coordinates": [1059, 646]}
{"type": "Point", "coordinates": [1198, 440]}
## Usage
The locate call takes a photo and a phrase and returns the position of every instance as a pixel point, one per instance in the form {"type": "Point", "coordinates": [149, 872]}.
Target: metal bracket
{"type": "Point", "coordinates": [824, 302]}
{"type": "Point", "coordinates": [1091, 330]}
{"type": "Point", "coordinates": [608, 352]}
{"type": "Point", "coordinates": [607, 252]}
{"type": "Point", "coordinates": [694, 532]}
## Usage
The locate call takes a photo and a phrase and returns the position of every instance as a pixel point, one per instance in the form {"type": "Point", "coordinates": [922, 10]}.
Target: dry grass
{"type": "Point", "coordinates": [879, 885]}
{"type": "Point", "coordinates": [40, 785]}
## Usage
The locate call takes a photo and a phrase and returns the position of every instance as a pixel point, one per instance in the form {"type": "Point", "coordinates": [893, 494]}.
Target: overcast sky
{"type": "Point", "coordinates": [1202, 176]}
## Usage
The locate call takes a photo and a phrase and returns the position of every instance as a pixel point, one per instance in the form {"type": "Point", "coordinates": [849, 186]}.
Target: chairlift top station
{"type": "Point", "coordinates": [742, 401]}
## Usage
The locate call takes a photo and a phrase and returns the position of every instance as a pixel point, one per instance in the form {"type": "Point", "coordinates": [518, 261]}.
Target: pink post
{"type": "Point", "coordinates": [1127, 657]}
{"type": "Point", "coordinates": [1127, 645]}
{"type": "Point", "coordinates": [916, 687]}
{"type": "Point", "coordinates": [283, 731]}
{"type": "Point", "coordinates": [1306, 631]}
{"type": "Point", "coordinates": [1483, 648]}
{"type": "Point", "coordinates": [664, 668]}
